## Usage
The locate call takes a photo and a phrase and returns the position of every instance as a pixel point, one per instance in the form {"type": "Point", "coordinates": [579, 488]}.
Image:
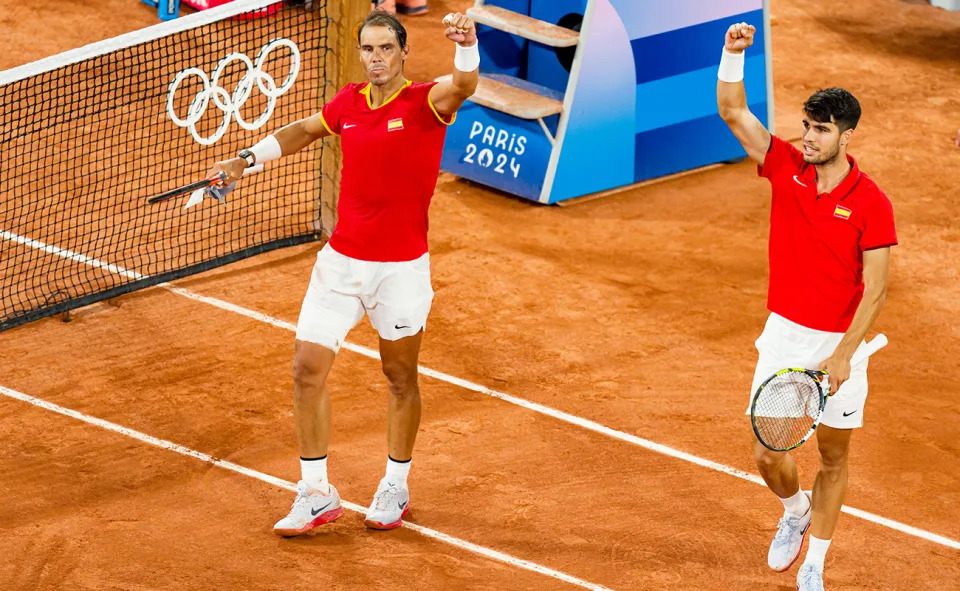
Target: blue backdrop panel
{"type": "Point", "coordinates": [646, 17]}
{"type": "Point", "coordinates": [497, 150]}
{"type": "Point", "coordinates": [676, 121]}
{"type": "Point", "coordinates": [521, 6]}
{"type": "Point", "coordinates": [692, 48]}
{"type": "Point", "coordinates": [599, 145]}
{"type": "Point", "coordinates": [623, 122]}
{"type": "Point", "coordinates": [544, 67]}
{"type": "Point", "coordinates": [683, 146]}
{"type": "Point", "coordinates": [668, 101]}
{"type": "Point", "coordinates": [501, 52]}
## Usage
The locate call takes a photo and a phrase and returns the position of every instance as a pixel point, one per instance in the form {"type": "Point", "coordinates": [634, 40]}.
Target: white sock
{"type": "Point", "coordinates": [313, 471]}
{"type": "Point", "coordinates": [397, 471]}
{"type": "Point", "coordinates": [798, 504]}
{"type": "Point", "coordinates": [816, 552]}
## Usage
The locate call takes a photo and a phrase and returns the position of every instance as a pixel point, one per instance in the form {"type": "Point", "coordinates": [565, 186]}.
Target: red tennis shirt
{"type": "Point", "coordinates": [817, 241]}
{"type": "Point", "coordinates": [391, 160]}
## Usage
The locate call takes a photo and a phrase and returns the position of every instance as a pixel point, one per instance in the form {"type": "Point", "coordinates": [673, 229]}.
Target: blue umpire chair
{"type": "Point", "coordinates": [582, 96]}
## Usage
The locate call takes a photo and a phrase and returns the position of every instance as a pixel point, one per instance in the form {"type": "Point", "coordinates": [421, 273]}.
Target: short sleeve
{"type": "Point", "coordinates": [780, 156]}
{"type": "Point", "coordinates": [331, 112]}
{"type": "Point", "coordinates": [879, 230]}
{"type": "Point", "coordinates": [430, 110]}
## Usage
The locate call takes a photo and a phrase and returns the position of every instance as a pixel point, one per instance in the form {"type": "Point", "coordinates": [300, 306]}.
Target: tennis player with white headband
{"type": "Point", "coordinates": [376, 262]}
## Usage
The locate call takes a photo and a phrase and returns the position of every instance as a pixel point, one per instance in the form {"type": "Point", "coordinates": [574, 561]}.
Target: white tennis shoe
{"type": "Point", "coordinates": [389, 505]}
{"type": "Point", "coordinates": [788, 541]}
{"type": "Point", "coordinates": [809, 578]}
{"type": "Point", "coordinates": [311, 509]}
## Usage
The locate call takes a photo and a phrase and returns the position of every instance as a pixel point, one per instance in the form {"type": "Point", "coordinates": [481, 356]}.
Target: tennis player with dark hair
{"type": "Point", "coordinates": [376, 262]}
{"type": "Point", "coordinates": [831, 229]}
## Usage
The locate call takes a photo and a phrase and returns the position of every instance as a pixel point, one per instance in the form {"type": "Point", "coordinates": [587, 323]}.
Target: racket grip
{"type": "Point", "coordinates": [878, 342]}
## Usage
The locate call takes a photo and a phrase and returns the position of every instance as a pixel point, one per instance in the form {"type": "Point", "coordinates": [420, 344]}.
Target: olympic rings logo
{"type": "Point", "coordinates": [231, 104]}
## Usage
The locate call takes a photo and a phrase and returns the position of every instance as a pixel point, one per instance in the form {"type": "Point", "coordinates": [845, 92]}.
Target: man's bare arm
{"type": "Point", "coordinates": [448, 97]}
{"type": "Point", "coordinates": [290, 139]}
{"type": "Point", "coordinates": [300, 134]}
{"type": "Point", "coordinates": [732, 97]}
{"type": "Point", "coordinates": [876, 268]}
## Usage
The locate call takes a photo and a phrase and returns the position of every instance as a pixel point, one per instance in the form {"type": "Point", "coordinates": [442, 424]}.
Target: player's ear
{"type": "Point", "coordinates": [405, 51]}
{"type": "Point", "coordinates": [845, 137]}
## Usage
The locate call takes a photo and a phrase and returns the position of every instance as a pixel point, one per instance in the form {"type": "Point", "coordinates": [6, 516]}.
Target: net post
{"type": "Point", "coordinates": [343, 67]}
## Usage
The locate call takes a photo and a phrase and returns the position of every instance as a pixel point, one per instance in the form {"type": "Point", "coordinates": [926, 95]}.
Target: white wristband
{"type": "Point", "coordinates": [467, 59]}
{"type": "Point", "coordinates": [731, 67]}
{"type": "Point", "coordinates": [266, 150]}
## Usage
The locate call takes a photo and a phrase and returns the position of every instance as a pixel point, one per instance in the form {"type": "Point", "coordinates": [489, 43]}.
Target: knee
{"type": "Point", "coordinates": [832, 459]}
{"type": "Point", "coordinates": [401, 380]}
{"type": "Point", "coordinates": [308, 372]}
{"type": "Point", "coordinates": [767, 459]}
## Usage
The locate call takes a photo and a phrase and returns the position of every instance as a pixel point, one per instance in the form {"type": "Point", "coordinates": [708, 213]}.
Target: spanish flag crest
{"type": "Point", "coordinates": [842, 212]}
{"type": "Point", "coordinates": [395, 124]}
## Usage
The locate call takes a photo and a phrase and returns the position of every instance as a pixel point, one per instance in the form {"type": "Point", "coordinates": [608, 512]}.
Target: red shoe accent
{"type": "Point", "coordinates": [386, 526]}
{"type": "Point", "coordinates": [311, 527]}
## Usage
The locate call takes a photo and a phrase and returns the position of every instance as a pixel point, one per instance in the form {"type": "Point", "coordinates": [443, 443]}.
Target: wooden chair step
{"type": "Point", "coordinates": [516, 97]}
{"type": "Point", "coordinates": [523, 26]}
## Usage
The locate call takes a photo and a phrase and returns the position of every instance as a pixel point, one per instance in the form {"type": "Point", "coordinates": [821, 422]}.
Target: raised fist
{"type": "Point", "coordinates": [739, 37]}
{"type": "Point", "coordinates": [460, 28]}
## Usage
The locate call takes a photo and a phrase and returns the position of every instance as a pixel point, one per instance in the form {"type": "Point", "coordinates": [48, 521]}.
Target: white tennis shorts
{"type": "Point", "coordinates": [786, 344]}
{"type": "Point", "coordinates": [396, 296]}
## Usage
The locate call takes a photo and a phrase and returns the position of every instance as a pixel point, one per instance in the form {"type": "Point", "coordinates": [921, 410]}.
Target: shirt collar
{"type": "Point", "coordinates": [846, 186]}
{"type": "Point", "coordinates": [366, 91]}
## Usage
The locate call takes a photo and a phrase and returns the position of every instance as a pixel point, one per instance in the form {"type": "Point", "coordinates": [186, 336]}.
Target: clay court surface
{"type": "Point", "coordinates": [637, 312]}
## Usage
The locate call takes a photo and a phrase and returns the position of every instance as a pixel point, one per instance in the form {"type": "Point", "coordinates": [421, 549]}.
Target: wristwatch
{"type": "Point", "coordinates": [248, 156]}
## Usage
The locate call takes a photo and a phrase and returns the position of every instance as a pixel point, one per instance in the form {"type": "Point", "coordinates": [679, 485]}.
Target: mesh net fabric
{"type": "Point", "coordinates": [85, 141]}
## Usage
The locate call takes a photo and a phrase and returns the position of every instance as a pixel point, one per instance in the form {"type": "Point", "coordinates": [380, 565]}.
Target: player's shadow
{"type": "Point", "coordinates": [329, 535]}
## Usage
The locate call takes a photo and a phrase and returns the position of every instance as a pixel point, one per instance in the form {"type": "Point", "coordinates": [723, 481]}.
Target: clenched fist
{"type": "Point", "coordinates": [461, 29]}
{"type": "Point", "coordinates": [739, 37]}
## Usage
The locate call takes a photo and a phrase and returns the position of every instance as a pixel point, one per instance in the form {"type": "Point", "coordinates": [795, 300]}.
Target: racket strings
{"type": "Point", "coordinates": [787, 408]}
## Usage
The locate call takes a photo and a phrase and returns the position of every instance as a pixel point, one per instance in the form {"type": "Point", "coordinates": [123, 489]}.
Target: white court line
{"type": "Point", "coordinates": [536, 407]}
{"type": "Point", "coordinates": [279, 482]}
{"type": "Point", "coordinates": [184, 23]}
{"type": "Point", "coordinates": [69, 254]}
{"type": "Point", "coordinates": [575, 420]}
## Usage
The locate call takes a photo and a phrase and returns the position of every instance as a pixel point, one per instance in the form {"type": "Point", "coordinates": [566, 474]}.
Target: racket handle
{"type": "Point", "coordinates": [186, 188]}
{"type": "Point", "coordinates": [878, 342]}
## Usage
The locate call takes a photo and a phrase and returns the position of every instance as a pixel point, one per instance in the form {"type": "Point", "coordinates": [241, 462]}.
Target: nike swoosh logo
{"type": "Point", "coordinates": [349, 125]}
{"type": "Point", "coordinates": [399, 327]}
{"type": "Point", "coordinates": [847, 414]}
{"type": "Point", "coordinates": [403, 504]}
{"type": "Point", "coordinates": [320, 510]}
{"type": "Point", "coordinates": [794, 177]}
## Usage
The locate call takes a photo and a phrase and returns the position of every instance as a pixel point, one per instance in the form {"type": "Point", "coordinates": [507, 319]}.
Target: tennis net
{"type": "Point", "coordinates": [86, 137]}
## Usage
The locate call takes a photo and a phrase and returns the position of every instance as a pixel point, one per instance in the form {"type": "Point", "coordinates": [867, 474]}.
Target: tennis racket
{"type": "Point", "coordinates": [207, 182]}
{"type": "Point", "coordinates": [788, 405]}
